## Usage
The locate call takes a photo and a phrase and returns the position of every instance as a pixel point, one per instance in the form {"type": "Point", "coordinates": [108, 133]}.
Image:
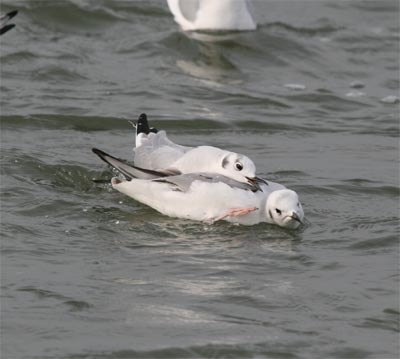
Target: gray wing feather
{"type": "Point", "coordinates": [179, 182]}
{"type": "Point", "coordinates": [183, 182]}
{"type": "Point", "coordinates": [131, 171]}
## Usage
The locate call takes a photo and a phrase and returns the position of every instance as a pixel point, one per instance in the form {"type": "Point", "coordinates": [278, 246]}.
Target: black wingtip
{"type": "Point", "coordinates": [142, 125]}
{"type": "Point", "coordinates": [11, 14]}
{"type": "Point", "coordinates": [101, 154]}
{"type": "Point", "coordinates": [6, 28]}
{"type": "Point", "coordinates": [97, 151]}
{"type": "Point", "coordinates": [118, 164]}
{"type": "Point", "coordinates": [126, 169]}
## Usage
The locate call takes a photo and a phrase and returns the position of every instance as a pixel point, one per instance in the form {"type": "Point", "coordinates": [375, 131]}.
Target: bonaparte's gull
{"type": "Point", "coordinates": [4, 27]}
{"type": "Point", "coordinates": [209, 197]}
{"type": "Point", "coordinates": [155, 151]}
{"type": "Point", "coordinates": [194, 15]}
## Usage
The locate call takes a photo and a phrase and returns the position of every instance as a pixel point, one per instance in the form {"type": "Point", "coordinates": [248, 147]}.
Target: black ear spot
{"type": "Point", "coordinates": [225, 161]}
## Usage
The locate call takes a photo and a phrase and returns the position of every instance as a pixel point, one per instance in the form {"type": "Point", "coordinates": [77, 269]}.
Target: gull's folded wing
{"type": "Point", "coordinates": [130, 171]}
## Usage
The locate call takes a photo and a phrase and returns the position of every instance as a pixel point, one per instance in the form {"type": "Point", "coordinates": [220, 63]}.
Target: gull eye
{"type": "Point", "coordinates": [238, 166]}
{"type": "Point", "coordinates": [278, 211]}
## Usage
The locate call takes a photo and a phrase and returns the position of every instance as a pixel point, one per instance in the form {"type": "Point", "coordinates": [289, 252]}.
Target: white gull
{"type": "Point", "coordinates": [155, 151]}
{"type": "Point", "coordinates": [194, 15]}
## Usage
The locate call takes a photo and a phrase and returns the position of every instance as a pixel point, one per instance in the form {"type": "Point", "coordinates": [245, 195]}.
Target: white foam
{"type": "Point", "coordinates": [392, 99]}
{"type": "Point", "coordinates": [295, 87]}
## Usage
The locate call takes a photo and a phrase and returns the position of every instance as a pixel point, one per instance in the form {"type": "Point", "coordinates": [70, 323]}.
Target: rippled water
{"type": "Point", "coordinates": [312, 97]}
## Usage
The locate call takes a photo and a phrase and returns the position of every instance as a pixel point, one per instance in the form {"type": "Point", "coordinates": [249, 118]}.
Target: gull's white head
{"type": "Point", "coordinates": [215, 160]}
{"type": "Point", "coordinates": [284, 208]}
{"type": "Point", "coordinates": [239, 167]}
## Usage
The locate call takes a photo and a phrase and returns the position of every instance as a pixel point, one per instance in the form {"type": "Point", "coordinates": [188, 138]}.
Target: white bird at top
{"type": "Point", "coordinates": [155, 151]}
{"type": "Point", "coordinates": [194, 15]}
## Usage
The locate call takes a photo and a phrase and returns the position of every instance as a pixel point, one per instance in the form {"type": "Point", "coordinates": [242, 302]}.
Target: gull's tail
{"type": "Point", "coordinates": [142, 130]}
{"type": "Point", "coordinates": [142, 125]}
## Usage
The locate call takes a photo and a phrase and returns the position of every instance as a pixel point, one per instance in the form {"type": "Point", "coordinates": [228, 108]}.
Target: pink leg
{"type": "Point", "coordinates": [235, 212]}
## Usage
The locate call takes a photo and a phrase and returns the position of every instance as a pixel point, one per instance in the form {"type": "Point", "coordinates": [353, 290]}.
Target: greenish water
{"type": "Point", "coordinates": [89, 273]}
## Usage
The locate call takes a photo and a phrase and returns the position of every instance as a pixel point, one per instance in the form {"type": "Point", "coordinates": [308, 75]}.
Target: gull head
{"type": "Point", "coordinates": [239, 167]}
{"type": "Point", "coordinates": [284, 208]}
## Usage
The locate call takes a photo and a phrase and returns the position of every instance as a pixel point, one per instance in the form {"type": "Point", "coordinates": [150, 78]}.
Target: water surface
{"type": "Point", "coordinates": [312, 97]}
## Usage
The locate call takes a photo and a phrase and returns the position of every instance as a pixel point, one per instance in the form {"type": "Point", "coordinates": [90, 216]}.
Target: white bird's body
{"type": "Point", "coordinates": [155, 151]}
{"type": "Point", "coordinates": [202, 201]}
{"type": "Point", "coordinates": [210, 197]}
{"type": "Point", "coordinates": [194, 15]}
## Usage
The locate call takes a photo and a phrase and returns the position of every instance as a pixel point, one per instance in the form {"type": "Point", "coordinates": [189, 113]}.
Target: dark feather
{"type": "Point", "coordinates": [6, 28]}
{"type": "Point", "coordinates": [4, 19]}
{"type": "Point", "coordinates": [183, 182]}
{"type": "Point", "coordinates": [129, 171]}
{"type": "Point", "coordinates": [142, 125]}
